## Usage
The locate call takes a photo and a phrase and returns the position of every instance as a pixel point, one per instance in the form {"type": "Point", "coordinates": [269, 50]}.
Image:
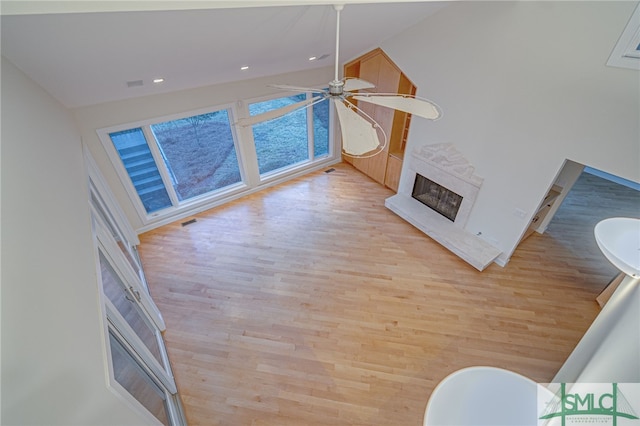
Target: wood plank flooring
{"type": "Point", "coordinates": [310, 303]}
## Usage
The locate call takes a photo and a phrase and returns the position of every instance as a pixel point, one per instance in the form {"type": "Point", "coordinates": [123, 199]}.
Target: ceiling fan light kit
{"type": "Point", "coordinates": [362, 136]}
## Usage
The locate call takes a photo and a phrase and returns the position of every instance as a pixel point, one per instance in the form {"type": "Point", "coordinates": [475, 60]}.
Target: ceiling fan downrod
{"type": "Point", "coordinates": [337, 84]}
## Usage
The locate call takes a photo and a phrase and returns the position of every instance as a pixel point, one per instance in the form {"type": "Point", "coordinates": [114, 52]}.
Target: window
{"type": "Point", "coordinates": [170, 165]}
{"type": "Point", "coordinates": [137, 159]}
{"type": "Point", "coordinates": [136, 380]}
{"type": "Point", "coordinates": [199, 152]}
{"type": "Point", "coordinates": [626, 53]}
{"type": "Point", "coordinates": [174, 165]}
{"type": "Point", "coordinates": [321, 129]}
{"type": "Point", "coordinates": [281, 142]}
{"type": "Point", "coordinates": [122, 299]}
{"type": "Point", "coordinates": [138, 359]}
{"type": "Point", "coordinates": [122, 237]}
{"type": "Point", "coordinates": [139, 367]}
{"type": "Point", "coordinates": [289, 140]}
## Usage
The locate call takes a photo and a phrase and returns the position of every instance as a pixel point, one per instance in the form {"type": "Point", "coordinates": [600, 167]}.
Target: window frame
{"type": "Point", "coordinates": [129, 277]}
{"type": "Point", "coordinates": [129, 245]}
{"type": "Point", "coordinates": [312, 163]}
{"type": "Point", "coordinates": [103, 209]}
{"type": "Point", "coordinates": [244, 145]}
{"type": "Point", "coordinates": [626, 54]}
{"type": "Point", "coordinates": [145, 125]}
{"type": "Point", "coordinates": [165, 172]}
{"type": "Point", "coordinates": [174, 410]}
{"type": "Point", "coordinates": [108, 203]}
{"type": "Point", "coordinates": [114, 323]}
{"type": "Point", "coordinates": [124, 330]}
{"type": "Point", "coordinates": [274, 174]}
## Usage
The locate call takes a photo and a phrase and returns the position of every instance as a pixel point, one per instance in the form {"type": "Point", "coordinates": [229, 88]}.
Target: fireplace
{"type": "Point", "coordinates": [436, 197]}
{"type": "Point", "coordinates": [437, 191]}
{"type": "Point", "coordinates": [448, 171]}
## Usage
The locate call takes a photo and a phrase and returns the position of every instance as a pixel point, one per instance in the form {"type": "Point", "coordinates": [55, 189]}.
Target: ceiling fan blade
{"type": "Point", "coordinates": [275, 113]}
{"type": "Point", "coordinates": [406, 103]}
{"type": "Point", "coordinates": [296, 88]}
{"type": "Point", "coordinates": [359, 136]}
{"type": "Point", "coordinates": [351, 84]}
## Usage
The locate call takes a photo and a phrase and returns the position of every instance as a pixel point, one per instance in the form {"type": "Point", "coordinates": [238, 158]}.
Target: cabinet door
{"type": "Point", "coordinates": [381, 72]}
{"type": "Point", "coordinates": [392, 177]}
{"type": "Point", "coordinates": [378, 69]}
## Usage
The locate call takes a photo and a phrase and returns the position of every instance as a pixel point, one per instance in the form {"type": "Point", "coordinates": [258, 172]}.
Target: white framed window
{"type": "Point", "coordinates": [109, 210]}
{"type": "Point", "coordinates": [298, 137]}
{"type": "Point", "coordinates": [176, 164]}
{"type": "Point", "coordinates": [137, 361]}
{"type": "Point", "coordinates": [130, 377]}
{"type": "Point", "coordinates": [626, 53]}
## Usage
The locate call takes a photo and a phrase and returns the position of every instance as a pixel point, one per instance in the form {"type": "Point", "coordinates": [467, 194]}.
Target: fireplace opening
{"type": "Point", "coordinates": [436, 197]}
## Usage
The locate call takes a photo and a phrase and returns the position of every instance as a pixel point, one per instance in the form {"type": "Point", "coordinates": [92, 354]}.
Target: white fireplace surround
{"type": "Point", "coordinates": [443, 164]}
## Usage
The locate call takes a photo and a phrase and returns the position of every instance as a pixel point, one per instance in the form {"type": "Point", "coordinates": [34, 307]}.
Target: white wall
{"type": "Point", "coordinates": [53, 359]}
{"type": "Point", "coordinates": [524, 86]}
{"type": "Point", "coordinates": [567, 177]}
{"type": "Point", "coordinates": [109, 114]}
{"type": "Point", "coordinates": [609, 352]}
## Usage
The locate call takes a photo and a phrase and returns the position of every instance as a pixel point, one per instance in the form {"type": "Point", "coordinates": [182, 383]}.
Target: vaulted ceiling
{"type": "Point", "coordinates": [85, 53]}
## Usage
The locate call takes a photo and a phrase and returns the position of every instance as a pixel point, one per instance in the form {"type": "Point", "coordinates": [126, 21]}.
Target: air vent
{"type": "Point", "coordinates": [134, 83]}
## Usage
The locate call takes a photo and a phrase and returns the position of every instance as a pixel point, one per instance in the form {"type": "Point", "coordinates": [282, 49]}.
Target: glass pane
{"type": "Point", "coordinates": [137, 159]}
{"type": "Point", "coordinates": [199, 152]}
{"type": "Point", "coordinates": [281, 142]}
{"type": "Point", "coordinates": [321, 128]}
{"type": "Point", "coordinates": [115, 291]}
{"type": "Point", "coordinates": [115, 233]}
{"type": "Point", "coordinates": [136, 380]}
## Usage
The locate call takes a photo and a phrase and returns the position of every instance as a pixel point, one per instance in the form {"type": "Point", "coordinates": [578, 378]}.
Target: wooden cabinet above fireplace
{"type": "Point", "coordinates": [377, 68]}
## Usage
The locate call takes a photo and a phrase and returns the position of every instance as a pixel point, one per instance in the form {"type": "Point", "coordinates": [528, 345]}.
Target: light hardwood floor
{"type": "Point", "coordinates": [312, 304]}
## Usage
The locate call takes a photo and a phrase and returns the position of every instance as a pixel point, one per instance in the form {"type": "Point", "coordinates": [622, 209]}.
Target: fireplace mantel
{"type": "Point", "coordinates": [445, 165]}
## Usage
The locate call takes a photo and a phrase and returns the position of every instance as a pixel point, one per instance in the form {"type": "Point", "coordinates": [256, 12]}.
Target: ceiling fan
{"type": "Point", "coordinates": [362, 136]}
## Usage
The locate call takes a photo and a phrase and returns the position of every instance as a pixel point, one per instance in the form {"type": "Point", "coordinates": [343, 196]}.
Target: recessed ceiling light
{"type": "Point", "coordinates": [246, 67]}
{"type": "Point", "coordinates": [313, 58]}
{"type": "Point", "coordinates": [158, 80]}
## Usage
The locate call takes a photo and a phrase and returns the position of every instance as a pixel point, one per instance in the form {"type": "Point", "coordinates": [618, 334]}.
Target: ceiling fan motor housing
{"type": "Point", "coordinates": [336, 88]}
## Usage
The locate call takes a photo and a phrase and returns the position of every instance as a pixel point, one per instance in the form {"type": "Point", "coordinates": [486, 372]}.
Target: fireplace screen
{"type": "Point", "coordinates": [437, 197]}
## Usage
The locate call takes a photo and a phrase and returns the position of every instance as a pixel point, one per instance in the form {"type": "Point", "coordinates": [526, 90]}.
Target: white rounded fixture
{"type": "Point", "coordinates": [619, 240]}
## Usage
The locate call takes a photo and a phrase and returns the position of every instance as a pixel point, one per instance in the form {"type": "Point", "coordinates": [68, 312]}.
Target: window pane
{"type": "Point", "coordinates": [137, 159]}
{"type": "Point", "coordinates": [284, 141]}
{"type": "Point", "coordinates": [199, 152]}
{"type": "Point", "coordinates": [116, 291]}
{"type": "Point", "coordinates": [321, 128]}
{"type": "Point", "coordinates": [122, 244]}
{"type": "Point", "coordinates": [136, 380]}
